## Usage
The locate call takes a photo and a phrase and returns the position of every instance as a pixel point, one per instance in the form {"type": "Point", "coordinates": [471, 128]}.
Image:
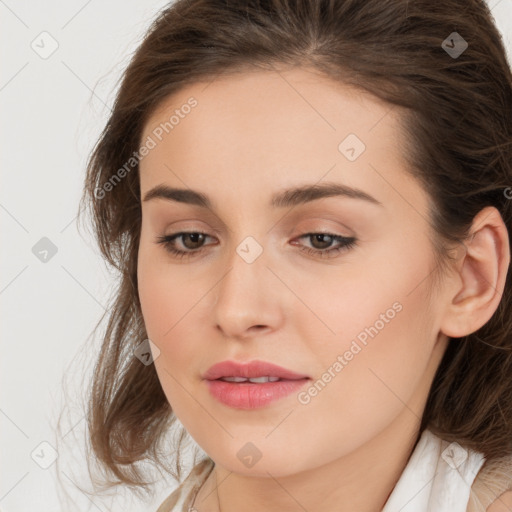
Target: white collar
{"type": "Point", "coordinates": [437, 477]}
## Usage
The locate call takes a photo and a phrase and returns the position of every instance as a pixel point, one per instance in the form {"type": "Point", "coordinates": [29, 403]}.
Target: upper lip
{"type": "Point", "coordinates": [249, 370]}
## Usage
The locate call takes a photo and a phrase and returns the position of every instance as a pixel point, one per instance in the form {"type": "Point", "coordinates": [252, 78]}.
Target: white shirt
{"type": "Point", "coordinates": [437, 477]}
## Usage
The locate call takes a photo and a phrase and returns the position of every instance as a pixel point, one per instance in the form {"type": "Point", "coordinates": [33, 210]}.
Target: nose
{"type": "Point", "coordinates": [247, 298]}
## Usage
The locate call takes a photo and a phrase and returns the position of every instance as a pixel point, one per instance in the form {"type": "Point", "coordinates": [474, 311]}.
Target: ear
{"type": "Point", "coordinates": [476, 288]}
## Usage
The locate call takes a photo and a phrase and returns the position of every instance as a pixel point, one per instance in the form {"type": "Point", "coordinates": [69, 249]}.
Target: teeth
{"type": "Point", "coordinates": [264, 379]}
{"type": "Point", "coordinates": [234, 379]}
{"type": "Point", "coordinates": [252, 379]}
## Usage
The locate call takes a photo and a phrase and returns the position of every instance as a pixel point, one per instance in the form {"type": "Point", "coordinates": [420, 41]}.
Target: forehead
{"type": "Point", "coordinates": [263, 130]}
{"type": "Point", "coordinates": [276, 99]}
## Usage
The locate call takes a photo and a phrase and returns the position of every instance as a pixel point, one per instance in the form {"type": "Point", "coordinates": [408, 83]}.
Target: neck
{"type": "Point", "coordinates": [364, 479]}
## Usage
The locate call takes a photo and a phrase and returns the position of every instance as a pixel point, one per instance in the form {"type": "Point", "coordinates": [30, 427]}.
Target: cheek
{"type": "Point", "coordinates": [165, 291]}
{"type": "Point", "coordinates": [383, 285]}
{"type": "Point", "coordinates": [171, 302]}
{"type": "Point", "coordinates": [383, 337]}
{"type": "Point", "coordinates": [166, 303]}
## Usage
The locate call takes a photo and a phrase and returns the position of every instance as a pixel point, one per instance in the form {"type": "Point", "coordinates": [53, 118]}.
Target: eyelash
{"type": "Point", "coordinates": [347, 243]}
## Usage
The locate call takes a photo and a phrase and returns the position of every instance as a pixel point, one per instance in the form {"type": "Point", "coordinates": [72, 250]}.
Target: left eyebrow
{"type": "Point", "coordinates": [282, 199]}
{"type": "Point", "coordinates": [307, 193]}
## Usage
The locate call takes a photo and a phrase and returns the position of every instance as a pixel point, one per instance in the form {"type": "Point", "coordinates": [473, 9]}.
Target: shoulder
{"type": "Point", "coordinates": [492, 488]}
{"type": "Point", "coordinates": [180, 497]}
{"type": "Point", "coordinates": [502, 504]}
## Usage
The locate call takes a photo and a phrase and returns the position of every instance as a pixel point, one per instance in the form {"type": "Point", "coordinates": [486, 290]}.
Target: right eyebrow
{"type": "Point", "coordinates": [180, 195]}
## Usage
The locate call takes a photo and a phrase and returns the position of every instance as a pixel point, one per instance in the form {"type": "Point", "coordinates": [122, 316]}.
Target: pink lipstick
{"type": "Point", "coordinates": [251, 385]}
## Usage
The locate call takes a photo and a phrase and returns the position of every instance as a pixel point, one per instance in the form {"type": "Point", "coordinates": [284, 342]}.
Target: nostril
{"type": "Point", "coordinates": [256, 328]}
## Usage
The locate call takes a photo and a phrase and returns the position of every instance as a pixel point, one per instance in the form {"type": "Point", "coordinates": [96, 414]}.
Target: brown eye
{"type": "Point", "coordinates": [192, 242]}
{"type": "Point", "coordinates": [196, 240]}
{"type": "Point", "coordinates": [322, 242]}
{"type": "Point", "coordinates": [320, 239]}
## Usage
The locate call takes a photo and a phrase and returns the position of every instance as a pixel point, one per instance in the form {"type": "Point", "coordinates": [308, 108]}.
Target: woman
{"type": "Point", "coordinates": [309, 205]}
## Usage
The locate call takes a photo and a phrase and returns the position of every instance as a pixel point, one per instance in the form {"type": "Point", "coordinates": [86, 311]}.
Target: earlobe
{"type": "Point", "coordinates": [482, 272]}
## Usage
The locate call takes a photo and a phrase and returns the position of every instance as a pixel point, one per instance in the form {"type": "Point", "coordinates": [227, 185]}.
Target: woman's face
{"type": "Point", "coordinates": [258, 280]}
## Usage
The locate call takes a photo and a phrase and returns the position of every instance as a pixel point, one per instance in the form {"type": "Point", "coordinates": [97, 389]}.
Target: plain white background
{"type": "Point", "coordinates": [53, 110]}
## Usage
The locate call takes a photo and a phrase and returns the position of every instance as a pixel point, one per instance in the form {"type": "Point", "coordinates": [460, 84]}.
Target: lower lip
{"type": "Point", "coordinates": [248, 395]}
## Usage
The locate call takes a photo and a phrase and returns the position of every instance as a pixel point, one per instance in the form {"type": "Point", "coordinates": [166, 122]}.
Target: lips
{"type": "Point", "coordinates": [252, 370]}
{"type": "Point", "coordinates": [252, 385]}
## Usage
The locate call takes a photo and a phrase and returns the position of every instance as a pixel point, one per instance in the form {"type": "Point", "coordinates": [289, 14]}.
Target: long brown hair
{"type": "Point", "coordinates": [458, 122]}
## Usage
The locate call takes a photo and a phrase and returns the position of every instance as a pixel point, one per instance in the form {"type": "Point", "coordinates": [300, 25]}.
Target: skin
{"type": "Point", "coordinates": [253, 134]}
